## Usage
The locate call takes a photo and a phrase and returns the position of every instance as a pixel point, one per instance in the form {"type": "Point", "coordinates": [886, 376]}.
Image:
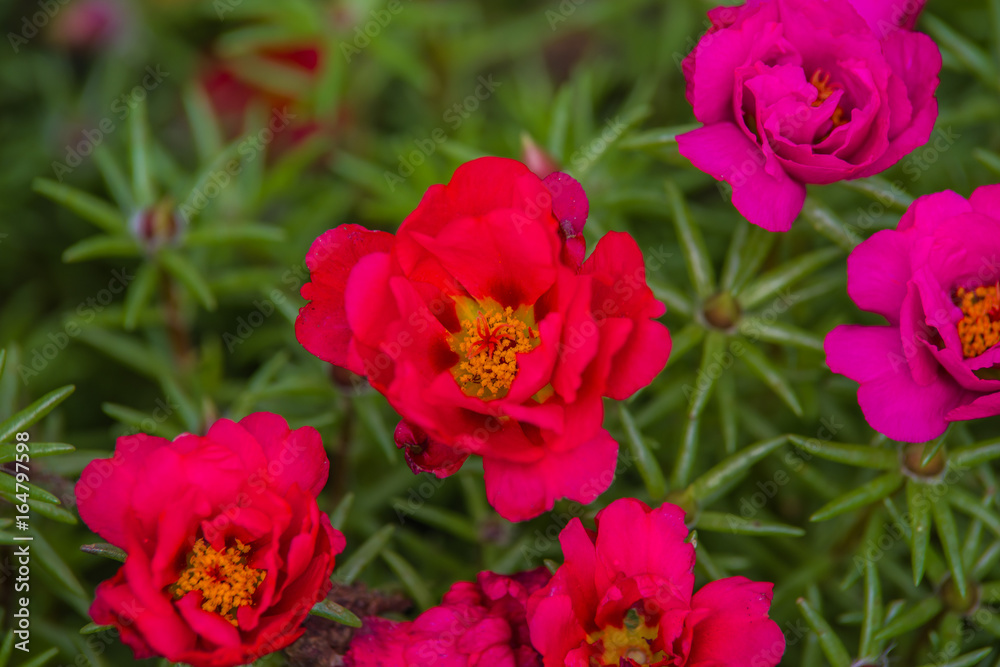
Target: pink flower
{"type": "Point", "coordinates": [487, 331]}
{"type": "Point", "coordinates": [623, 598]}
{"type": "Point", "coordinates": [478, 624]}
{"type": "Point", "coordinates": [227, 548]}
{"type": "Point", "coordinates": [935, 279]}
{"type": "Point", "coordinates": [884, 16]}
{"type": "Point", "coordinates": [802, 91]}
{"type": "Point", "coordinates": [92, 25]}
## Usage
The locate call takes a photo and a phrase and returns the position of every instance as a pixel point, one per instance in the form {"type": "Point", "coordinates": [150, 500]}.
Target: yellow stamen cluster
{"type": "Point", "coordinates": [821, 81]}
{"type": "Point", "coordinates": [979, 330]}
{"type": "Point", "coordinates": [488, 345]}
{"type": "Point", "coordinates": [633, 640]}
{"type": "Point", "coordinates": [225, 580]}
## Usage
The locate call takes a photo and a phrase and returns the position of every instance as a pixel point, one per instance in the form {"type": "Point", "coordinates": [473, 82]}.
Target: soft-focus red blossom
{"type": "Point", "coordinates": [234, 92]}
{"type": "Point", "coordinates": [792, 92]}
{"type": "Point", "coordinates": [936, 280]}
{"type": "Point", "coordinates": [487, 332]}
{"type": "Point", "coordinates": [479, 624]}
{"type": "Point", "coordinates": [227, 548]}
{"type": "Point", "coordinates": [623, 598]}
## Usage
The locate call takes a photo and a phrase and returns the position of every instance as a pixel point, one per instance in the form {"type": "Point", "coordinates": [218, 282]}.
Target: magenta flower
{"type": "Point", "coordinates": [624, 598]}
{"type": "Point", "coordinates": [884, 16]}
{"type": "Point", "coordinates": [935, 279]}
{"type": "Point", "coordinates": [479, 624]}
{"type": "Point", "coordinates": [795, 92]}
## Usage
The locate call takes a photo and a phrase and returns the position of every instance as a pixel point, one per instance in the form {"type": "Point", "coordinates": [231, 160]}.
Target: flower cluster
{"type": "Point", "coordinates": [623, 598]}
{"type": "Point", "coordinates": [489, 328]}
{"type": "Point", "coordinates": [477, 624]}
{"type": "Point", "coordinates": [488, 331]}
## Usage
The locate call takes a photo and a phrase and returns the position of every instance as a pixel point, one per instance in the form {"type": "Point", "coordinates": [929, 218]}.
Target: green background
{"type": "Point", "coordinates": [597, 85]}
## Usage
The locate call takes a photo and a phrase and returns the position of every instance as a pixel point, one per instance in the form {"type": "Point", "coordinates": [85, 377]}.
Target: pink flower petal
{"type": "Point", "coordinates": [892, 402]}
{"type": "Point", "coordinates": [724, 152]}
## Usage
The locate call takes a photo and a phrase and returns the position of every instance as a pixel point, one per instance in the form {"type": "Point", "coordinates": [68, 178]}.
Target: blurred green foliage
{"type": "Point", "coordinates": [145, 268]}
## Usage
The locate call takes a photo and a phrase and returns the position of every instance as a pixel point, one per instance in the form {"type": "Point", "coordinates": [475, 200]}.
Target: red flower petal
{"type": "Point", "coordinates": [322, 326]}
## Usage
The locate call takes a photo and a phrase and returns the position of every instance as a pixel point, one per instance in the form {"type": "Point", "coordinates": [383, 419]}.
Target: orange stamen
{"type": "Point", "coordinates": [979, 329]}
{"type": "Point", "coordinates": [488, 346]}
{"type": "Point", "coordinates": [821, 81]}
{"type": "Point", "coordinates": [225, 580]}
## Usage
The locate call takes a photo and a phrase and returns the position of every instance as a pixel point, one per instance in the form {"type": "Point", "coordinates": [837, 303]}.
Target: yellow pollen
{"type": "Point", "coordinates": [225, 580]}
{"type": "Point", "coordinates": [821, 81]}
{"type": "Point", "coordinates": [979, 330]}
{"type": "Point", "coordinates": [633, 640]}
{"type": "Point", "coordinates": [488, 345]}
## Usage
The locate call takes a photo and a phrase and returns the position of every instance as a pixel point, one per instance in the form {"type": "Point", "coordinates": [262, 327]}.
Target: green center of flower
{"type": "Point", "coordinates": [488, 344]}
{"type": "Point", "coordinates": [225, 580]}
{"type": "Point", "coordinates": [633, 641]}
{"type": "Point", "coordinates": [979, 328]}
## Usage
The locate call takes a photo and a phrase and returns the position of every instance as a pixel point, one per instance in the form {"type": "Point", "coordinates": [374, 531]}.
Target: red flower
{"type": "Point", "coordinates": [234, 93]}
{"type": "Point", "coordinates": [486, 331]}
{"type": "Point", "coordinates": [227, 549]}
{"type": "Point", "coordinates": [623, 597]}
{"type": "Point", "coordinates": [478, 624]}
